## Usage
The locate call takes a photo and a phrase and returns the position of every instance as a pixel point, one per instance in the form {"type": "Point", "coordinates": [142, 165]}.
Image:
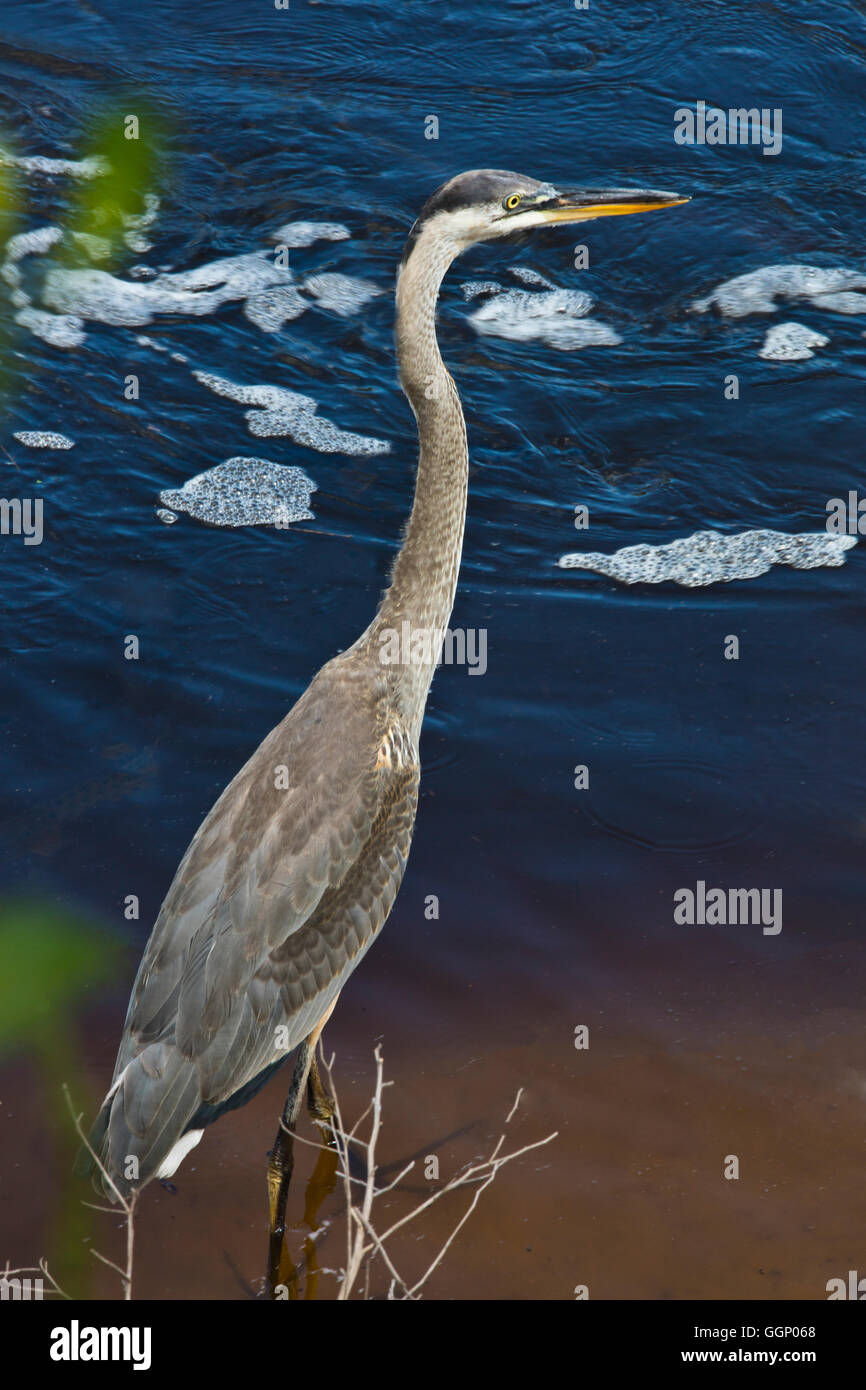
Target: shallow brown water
{"type": "Point", "coordinates": [684, 1067]}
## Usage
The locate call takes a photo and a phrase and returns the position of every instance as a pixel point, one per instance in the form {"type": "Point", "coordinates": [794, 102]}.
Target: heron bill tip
{"type": "Point", "coordinates": [583, 204]}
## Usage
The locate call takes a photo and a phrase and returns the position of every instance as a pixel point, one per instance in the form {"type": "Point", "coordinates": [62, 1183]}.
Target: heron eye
{"type": "Point", "coordinates": [512, 201]}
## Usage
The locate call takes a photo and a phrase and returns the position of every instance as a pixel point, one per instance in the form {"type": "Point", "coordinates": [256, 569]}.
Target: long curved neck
{"type": "Point", "coordinates": [424, 580]}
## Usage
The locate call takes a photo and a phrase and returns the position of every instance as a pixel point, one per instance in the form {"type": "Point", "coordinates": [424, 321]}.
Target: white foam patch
{"type": "Point", "coordinates": [342, 294]}
{"type": "Point", "coordinates": [43, 439]}
{"type": "Point", "coordinates": [555, 317]}
{"type": "Point", "coordinates": [98, 248]}
{"type": "Point", "coordinates": [757, 292]}
{"type": "Point", "coordinates": [284, 412]}
{"type": "Point", "coordinates": [135, 225]}
{"type": "Point", "coordinates": [98, 295]}
{"type": "Point", "coordinates": [244, 492]}
{"type": "Point", "coordinates": [473, 289]}
{"type": "Point", "coordinates": [274, 307]}
{"type": "Point", "coordinates": [64, 331]}
{"type": "Point", "coordinates": [60, 330]}
{"type": "Point", "coordinates": [843, 303]}
{"type": "Point", "coordinates": [267, 291]}
{"type": "Point", "coordinates": [709, 557]}
{"type": "Point", "coordinates": [532, 277]}
{"type": "Point", "coordinates": [90, 168]}
{"type": "Point", "coordinates": [104, 298]}
{"type": "Point", "coordinates": [293, 234]}
{"type": "Point", "coordinates": [34, 243]}
{"type": "Point", "coordinates": [791, 342]}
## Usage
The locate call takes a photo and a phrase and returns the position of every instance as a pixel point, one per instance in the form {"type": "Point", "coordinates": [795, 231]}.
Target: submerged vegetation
{"type": "Point", "coordinates": [112, 201]}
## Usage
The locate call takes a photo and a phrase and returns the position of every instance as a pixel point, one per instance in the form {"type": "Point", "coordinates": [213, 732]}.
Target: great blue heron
{"type": "Point", "coordinates": [291, 875]}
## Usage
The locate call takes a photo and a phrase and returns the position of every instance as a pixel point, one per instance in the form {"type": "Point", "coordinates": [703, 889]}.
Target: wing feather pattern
{"type": "Point", "coordinates": [282, 890]}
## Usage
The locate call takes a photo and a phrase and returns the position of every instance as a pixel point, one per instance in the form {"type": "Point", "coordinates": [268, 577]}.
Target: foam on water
{"type": "Point", "coordinates": [711, 557]}
{"type": "Point", "coordinates": [104, 298]}
{"type": "Point", "coordinates": [843, 303]}
{"type": "Point", "coordinates": [90, 168]}
{"type": "Point", "coordinates": [274, 307]}
{"type": "Point", "coordinates": [98, 248]}
{"type": "Point", "coordinates": [756, 292]}
{"type": "Point", "coordinates": [473, 289]}
{"type": "Point", "coordinates": [230, 276]}
{"type": "Point", "coordinates": [532, 277]}
{"type": "Point", "coordinates": [342, 294]}
{"type": "Point", "coordinates": [555, 317]}
{"type": "Point", "coordinates": [64, 331]}
{"type": "Point", "coordinates": [60, 330]}
{"type": "Point", "coordinates": [137, 225]}
{"type": "Point", "coordinates": [285, 412]}
{"type": "Point", "coordinates": [243, 492]}
{"type": "Point", "coordinates": [43, 439]}
{"type": "Point", "coordinates": [34, 243]}
{"type": "Point", "coordinates": [268, 292]}
{"type": "Point", "coordinates": [791, 342]}
{"type": "Point", "coordinates": [294, 234]}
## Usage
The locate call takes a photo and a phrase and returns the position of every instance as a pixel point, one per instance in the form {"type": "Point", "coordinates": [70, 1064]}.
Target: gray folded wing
{"type": "Point", "coordinates": [280, 893]}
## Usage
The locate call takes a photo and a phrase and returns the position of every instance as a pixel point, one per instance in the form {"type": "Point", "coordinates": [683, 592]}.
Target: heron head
{"type": "Point", "coordinates": [487, 204]}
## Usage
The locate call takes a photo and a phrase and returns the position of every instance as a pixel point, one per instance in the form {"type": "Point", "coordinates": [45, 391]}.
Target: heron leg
{"type": "Point", "coordinates": [281, 1159]}
{"type": "Point", "coordinates": [320, 1106]}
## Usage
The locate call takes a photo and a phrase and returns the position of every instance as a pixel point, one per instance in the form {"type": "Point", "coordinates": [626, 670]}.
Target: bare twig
{"type": "Point", "coordinates": [41, 1268]}
{"type": "Point", "coordinates": [127, 1205]}
{"type": "Point", "coordinates": [364, 1243]}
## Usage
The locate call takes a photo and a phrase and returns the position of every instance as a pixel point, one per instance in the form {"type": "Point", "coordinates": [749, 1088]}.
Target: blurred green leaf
{"type": "Point", "coordinates": [126, 142]}
{"type": "Point", "coordinates": [8, 201]}
{"type": "Point", "coordinates": [48, 961]}
{"type": "Point", "coordinates": [8, 218]}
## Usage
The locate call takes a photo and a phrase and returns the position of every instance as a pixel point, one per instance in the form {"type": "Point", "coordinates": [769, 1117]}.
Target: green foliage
{"type": "Point", "coordinates": [8, 212]}
{"type": "Point", "coordinates": [48, 960]}
{"type": "Point", "coordinates": [8, 201]}
{"type": "Point", "coordinates": [126, 144]}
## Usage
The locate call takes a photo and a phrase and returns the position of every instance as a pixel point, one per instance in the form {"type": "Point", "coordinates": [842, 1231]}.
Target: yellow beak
{"type": "Point", "coordinates": [582, 204]}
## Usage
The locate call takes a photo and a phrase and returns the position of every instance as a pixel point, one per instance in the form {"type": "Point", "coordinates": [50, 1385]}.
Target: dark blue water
{"type": "Point", "coordinates": [556, 904]}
